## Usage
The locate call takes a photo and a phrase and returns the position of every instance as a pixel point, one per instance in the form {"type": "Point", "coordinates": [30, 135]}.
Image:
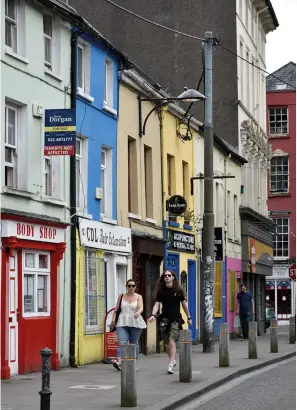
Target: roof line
{"type": "Point", "coordinates": [280, 68]}
{"type": "Point", "coordinates": [272, 12]}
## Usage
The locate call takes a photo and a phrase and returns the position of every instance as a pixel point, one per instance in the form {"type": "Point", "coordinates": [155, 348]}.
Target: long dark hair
{"type": "Point", "coordinates": [161, 285]}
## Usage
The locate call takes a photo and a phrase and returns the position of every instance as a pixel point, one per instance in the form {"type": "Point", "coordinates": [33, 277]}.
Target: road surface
{"type": "Point", "coordinates": [273, 388]}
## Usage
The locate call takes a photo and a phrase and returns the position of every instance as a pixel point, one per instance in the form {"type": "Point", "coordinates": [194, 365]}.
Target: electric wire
{"type": "Point", "coordinates": [194, 38]}
{"type": "Point", "coordinates": [153, 22]}
{"type": "Point", "coordinates": [255, 66]}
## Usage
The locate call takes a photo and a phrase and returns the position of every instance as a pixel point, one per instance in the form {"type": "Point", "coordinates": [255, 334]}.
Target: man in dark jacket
{"type": "Point", "coordinates": [246, 310]}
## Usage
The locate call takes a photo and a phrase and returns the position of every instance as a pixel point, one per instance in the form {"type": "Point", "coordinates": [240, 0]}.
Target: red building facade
{"type": "Point", "coordinates": [32, 249]}
{"type": "Point", "coordinates": [281, 129]}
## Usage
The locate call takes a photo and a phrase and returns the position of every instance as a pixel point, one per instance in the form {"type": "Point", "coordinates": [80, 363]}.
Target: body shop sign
{"type": "Point", "coordinates": [33, 232]}
{"type": "Point", "coordinates": [103, 236]}
{"type": "Point", "coordinates": [180, 241]}
{"type": "Point", "coordinates": [59, 132]}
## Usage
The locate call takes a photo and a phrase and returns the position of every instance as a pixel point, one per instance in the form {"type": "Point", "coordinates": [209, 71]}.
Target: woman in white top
{"type": "Point", "coordinates": [130, 322]}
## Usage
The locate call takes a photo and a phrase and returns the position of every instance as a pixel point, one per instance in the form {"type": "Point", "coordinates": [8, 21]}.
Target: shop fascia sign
{"type": "Point", "coordinates": [105, 237]}
{"type": "Point", "coordinates": [32, 232]}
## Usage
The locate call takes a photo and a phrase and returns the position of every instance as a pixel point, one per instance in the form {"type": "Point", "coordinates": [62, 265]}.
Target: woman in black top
{"type": "Point", "coordinates": [169, 292]}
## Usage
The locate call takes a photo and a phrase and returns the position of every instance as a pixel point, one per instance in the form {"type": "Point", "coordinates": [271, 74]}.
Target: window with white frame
{"type": "Point", "coordinates": [11, 138]}
{"type": "Point", "coordinates": [108, 89]}
{"type": "Point", "coordinates": [80, 67]}
{"type": "Point", "coordinates": [95, 295]}
{"type": "Point", "coordinates": [229, 215]}
{"type": "Point", "coordinates": [48, 40]}
{"type": "Point", "coordinates": [36, 283]}
{"type": "Point", "coordinates": [278, 121]}
{"type": "Point", "coordinates": [281, 238]}
{"type": "Point", "coordinates": [11, 24]}
{"type": "Point", "coordinates": [281, 86]}
{"type": "Point", "coordinates": [235, 217]}
{"type": "Point", "coordinates": [103, 204]}
{"type": "Point", "coordinates": [48, 177]}
{"type": "Point", "coordinates": [106, 183]}
{"type": "Point", "coordinates": [279, 174]}
{"type": "Point", "coordinates": [83, 69]}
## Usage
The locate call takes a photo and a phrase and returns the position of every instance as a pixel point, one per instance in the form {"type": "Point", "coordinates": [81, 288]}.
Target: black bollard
{"type": "Point", "coordinates": [45, 392]}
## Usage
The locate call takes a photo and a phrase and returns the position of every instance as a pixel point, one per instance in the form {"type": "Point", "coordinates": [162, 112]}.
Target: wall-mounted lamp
{"type": "Point", "coordinates": [186, 96]}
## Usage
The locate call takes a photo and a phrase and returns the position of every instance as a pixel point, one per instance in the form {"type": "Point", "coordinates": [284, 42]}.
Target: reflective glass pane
{"type": "Point", "coordinates": [42, 295]}
{"type": "Point", "coordinates": [43, 261]}
{"type": "Point", "coordinates": [29, 293]}
{"type": "Point", "coordinates": [29, 260]}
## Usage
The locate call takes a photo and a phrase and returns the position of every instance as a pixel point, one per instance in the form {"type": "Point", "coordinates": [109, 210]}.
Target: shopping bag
{"type": "Point", "coordinates": [237, 323]}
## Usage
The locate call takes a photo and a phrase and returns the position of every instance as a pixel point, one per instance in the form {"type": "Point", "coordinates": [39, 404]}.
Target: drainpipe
{"type": "Point", "coordinates": [73, 210]}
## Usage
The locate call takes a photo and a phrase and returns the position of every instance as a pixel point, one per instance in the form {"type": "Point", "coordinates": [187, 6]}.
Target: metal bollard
{"type": "Point", "coordinates": [185, 356]}
{"type": "Point", "coordinates": [45, 392]}
{"type": "Point", "coordinates": [292, 330]}
{"type": "Point", "coordinates": [273, 336]}
{"type": "Point", "coordinates": [128, 376]}
{"type": "Point", "coordinates": [224, 356]}
{"type": "Point", "coordinates": [253, 329]}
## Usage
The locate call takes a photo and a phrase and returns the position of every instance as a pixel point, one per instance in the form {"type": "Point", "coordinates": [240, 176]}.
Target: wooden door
{"type": "Point", "coordinates": [13, 314]}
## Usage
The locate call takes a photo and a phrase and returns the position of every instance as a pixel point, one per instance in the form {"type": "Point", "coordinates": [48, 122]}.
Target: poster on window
{"type": "Point", "coordinates": [59, 132]}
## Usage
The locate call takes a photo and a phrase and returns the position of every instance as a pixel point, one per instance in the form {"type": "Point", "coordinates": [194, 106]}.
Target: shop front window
{"type": "Point", "coordinates": [95, 295]}
{"type": "Point", "coordinates": [36, 284]}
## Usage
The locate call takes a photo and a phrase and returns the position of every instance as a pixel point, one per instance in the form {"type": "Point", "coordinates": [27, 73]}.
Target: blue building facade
{"type": "Point", "coordinates": [97, 108]}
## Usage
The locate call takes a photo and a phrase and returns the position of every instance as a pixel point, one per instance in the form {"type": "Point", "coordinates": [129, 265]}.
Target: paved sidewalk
{"type": "Point", "coordinates": [97, 386]}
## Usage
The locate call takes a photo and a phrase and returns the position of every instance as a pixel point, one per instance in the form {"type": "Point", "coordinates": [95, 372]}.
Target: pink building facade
{"type": "Point", "coordinates": [233, 279]}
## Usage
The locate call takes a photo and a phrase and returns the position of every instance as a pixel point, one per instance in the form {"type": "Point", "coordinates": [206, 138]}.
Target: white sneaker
{"type": "Point", "coordinates": [170, 368]}
{"type": "Point", "coordinates": [174, 363]}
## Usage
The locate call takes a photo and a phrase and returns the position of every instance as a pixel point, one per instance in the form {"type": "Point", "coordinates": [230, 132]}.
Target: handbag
{"type": "Point", "coordinates": [118, 312]}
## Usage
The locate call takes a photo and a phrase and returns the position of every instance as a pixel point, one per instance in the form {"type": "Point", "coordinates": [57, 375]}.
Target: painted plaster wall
{"type": "Point", "coordinates": [128, 126]}
{"type": "Point", "coordinates": [99, 127]}
{"type": "Point", "coordinates": [25, 82]}
{"type": "Point", "coordinates": [234, 265]}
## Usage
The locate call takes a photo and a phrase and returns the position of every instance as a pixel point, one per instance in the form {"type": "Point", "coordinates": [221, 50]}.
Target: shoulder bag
{"type": "Point", "coordinates": [118, 312]}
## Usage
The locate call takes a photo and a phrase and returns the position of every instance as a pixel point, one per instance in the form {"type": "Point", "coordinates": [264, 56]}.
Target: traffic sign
{"type": "Point", "coordinates": [292, 271]}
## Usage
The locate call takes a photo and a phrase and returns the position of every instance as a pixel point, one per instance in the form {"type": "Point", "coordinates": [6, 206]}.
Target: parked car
{"type": "Point", "coordinates": [270, 314]}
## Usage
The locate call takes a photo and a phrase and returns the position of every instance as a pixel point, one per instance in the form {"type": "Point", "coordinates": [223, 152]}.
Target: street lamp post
{"type": "Point", "coordinates": [186, 96]}
{"type": "Point", "coordinates": [208, 217]}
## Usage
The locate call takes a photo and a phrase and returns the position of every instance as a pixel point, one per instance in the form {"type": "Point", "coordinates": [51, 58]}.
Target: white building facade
{"type": "Point", "coordinates": [35, 73]}
{"type": "Point", "coordinates": [255, 19]}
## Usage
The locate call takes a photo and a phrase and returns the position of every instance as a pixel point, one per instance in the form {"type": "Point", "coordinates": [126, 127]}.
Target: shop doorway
{"type": "Point", "coordinates": [13, 314]}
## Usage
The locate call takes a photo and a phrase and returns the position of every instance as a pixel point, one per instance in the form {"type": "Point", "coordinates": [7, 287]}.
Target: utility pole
{"type": "Point", "coordinates": [208, 217]}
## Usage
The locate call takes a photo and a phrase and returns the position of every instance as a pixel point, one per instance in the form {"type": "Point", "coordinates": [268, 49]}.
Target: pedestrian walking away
{"type": "Point", "coordinates": [245, 309]}
{"type": "Point", "coordinates": [130, 323]}
{"type": "Point", "coordinates": [169, 293]}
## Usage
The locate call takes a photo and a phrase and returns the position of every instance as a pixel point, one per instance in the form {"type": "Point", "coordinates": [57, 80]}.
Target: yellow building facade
{"type": "Point", "coordinates": [178, 163]}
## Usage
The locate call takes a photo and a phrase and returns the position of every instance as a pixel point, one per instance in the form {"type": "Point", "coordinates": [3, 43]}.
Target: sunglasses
{"type": "Point", "coordinates": [167, 276]}
{"type": "Point", "coordinates": [131, 286]}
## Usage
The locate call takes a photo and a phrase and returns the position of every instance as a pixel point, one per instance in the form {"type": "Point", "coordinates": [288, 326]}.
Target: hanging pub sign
{"type": "Point", "coordinates": [59, 132]}
{"type": "Point", "coordinates": [180, 241]}
{"type": "Point", "coordinates": [176, 205]}
{"type": "Point", "coordinates": [218, 245]}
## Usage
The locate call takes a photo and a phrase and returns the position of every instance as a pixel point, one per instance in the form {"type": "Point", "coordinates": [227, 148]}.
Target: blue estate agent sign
{"type": "Point", "coordinates": [59, 132]}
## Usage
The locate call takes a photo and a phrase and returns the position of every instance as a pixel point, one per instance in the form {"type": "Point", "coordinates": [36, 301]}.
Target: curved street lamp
{"type": "Point", "coordinates": [190, 95]}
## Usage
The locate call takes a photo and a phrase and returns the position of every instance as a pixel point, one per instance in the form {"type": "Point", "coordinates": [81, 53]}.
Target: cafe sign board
{"type": "Point", "coordinates": [176, 205]}
{"type": "Point", "coordinates": [107, 237]}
